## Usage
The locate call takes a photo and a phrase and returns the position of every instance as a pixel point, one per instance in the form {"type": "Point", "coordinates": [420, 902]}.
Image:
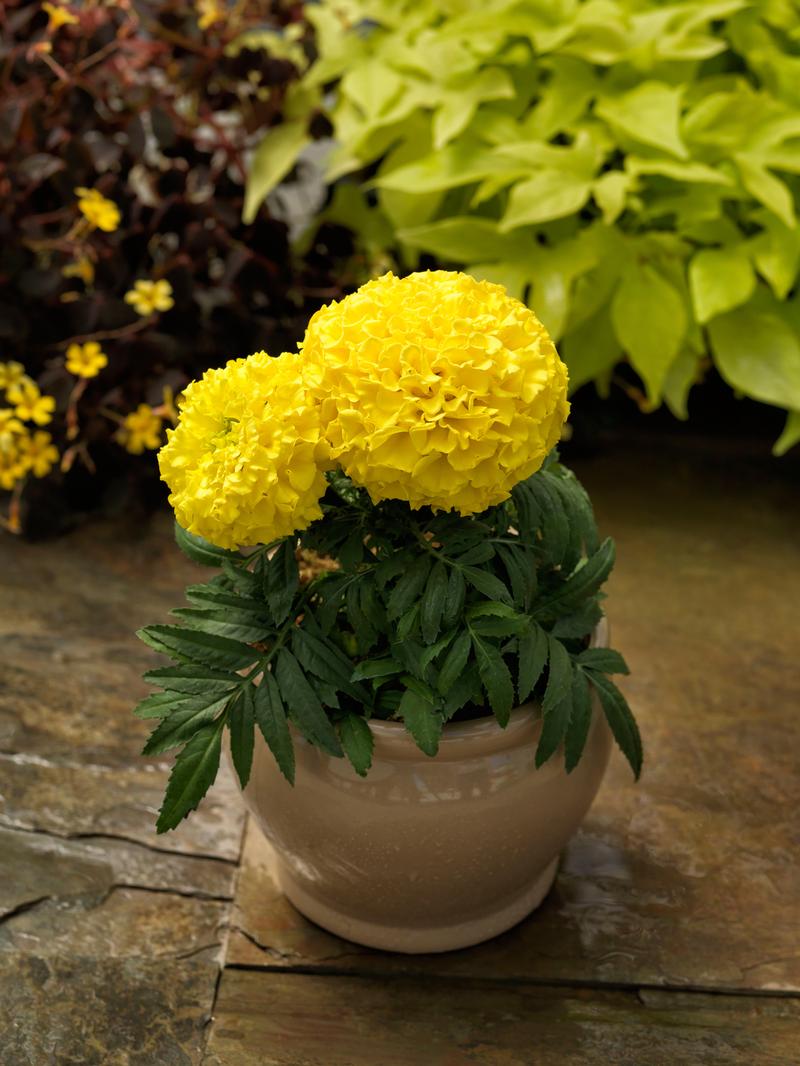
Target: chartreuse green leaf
{"type": "Point", "coordinates": [422, 719]}
{"type": "Point", "coordinates": [201, 550]}
{"type": "Point", "coordinates": [649, 113]}
{"type": "Point", "coordinates": [271, 718]}
{"type": "Point", "coordinates": [549, 195]}
{"type": "Point", "coordinates": [241, 722]}
{"type": "Point", "coordinates": [761, 183]}
{"type": "Point", "coordinates": [649, 318]}
{"type": "Point", "coordinates": [192, 775]}
{"type": "Point", "coordinates": [623, 724]}
{"type": "Point", "coordinates": [720, 278]}
{"type": "Point", "coordinates": [357, 741]}
{"type": "Point", "coordinates": [790, 435]}
{"type": "Point", "coordinates": [305, 709]}
{"type": "Point", "coordinates": [557, 701]}
{"type": "Point", "coordinates": [759, 353]}
{"type": "Point", "coordinates": [273, 159]}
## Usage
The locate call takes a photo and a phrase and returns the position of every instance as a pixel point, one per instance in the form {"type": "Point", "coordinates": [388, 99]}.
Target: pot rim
{"type": "Point", "coordinates": [392, 738]}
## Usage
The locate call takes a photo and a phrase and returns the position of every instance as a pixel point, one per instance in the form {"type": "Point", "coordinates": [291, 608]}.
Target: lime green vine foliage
{"type": "Point", "coordinates": [629, 167]}
{"type": "Point", "coordinates": [427, 618]}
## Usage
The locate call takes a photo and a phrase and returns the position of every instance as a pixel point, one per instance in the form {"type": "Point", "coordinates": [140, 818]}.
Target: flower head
{"type": "Point", "coordinates": [30, 405]}
{"type": "Point", "coordinates": [97, 210]}
{"type": "Point", "coordinates": [57, 17]}
{"type": "Point", "coordinates": [37, 453]}
{"type": "Point", "coordinates": [140, 430]}
{"type": "Point", "coordinates": [209, 12]}
{"type": "Point", "coordinates": [10, 427]}
{"type": "Point", "coordinates": [85, 360]}
{"type": "Point", "coordinates": [11, 374]}
{"type": "Point", "coordinates": [436, 389]}
{"type": "Point", "coordinates": [82, 268]}
{"type": "Point", "coordinates": [146, 297]}
{"type": "Point", "coordinates": [245, 463]}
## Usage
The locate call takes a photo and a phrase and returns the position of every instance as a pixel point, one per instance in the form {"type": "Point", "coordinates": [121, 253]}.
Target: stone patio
{"type": "Point", "coordinates": [671, 935]}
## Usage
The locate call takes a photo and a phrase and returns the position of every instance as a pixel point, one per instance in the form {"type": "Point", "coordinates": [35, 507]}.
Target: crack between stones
{"type": "Point", "coordinates": [288, 956]}
{"type": "Point", "coordinates": [22, 908]}
{"type": "Point", "coordinates": [165, 891]}
{"type": "Point", "coordinates": [93, 835]}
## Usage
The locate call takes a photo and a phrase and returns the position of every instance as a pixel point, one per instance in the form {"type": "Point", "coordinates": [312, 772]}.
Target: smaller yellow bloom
{"type": "Point", "coordinates": [11, 374]}
{"type": "Point", "coordinates": [10, 426]}
{"type": "Point", "coordinates": [58, 17]}
{"type": "Point", "coordinates": [96, 209]}
{"type": "Point", "coordinates": [146, 297]}
{"type": "Point", "coordinates": [140, 429]}
{"type": "Point", "coordinates": [37, 454]}
{"type": "Point", "coordinates": [209, 12]}
{"type": "Point", "coordinates": [82, 268]}
{"type": "Point", "coordinates": [86, 360]}
{"type": "Point", "coordinates": [30, 404]}
{"type": "Point", "coordinates": [169, 404]}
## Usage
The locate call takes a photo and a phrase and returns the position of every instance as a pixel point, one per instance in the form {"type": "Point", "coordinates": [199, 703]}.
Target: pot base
{"type": "Point", "coordinates": [411, 941]}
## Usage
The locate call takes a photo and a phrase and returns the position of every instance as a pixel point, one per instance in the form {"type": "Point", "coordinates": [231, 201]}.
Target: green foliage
{"type": "Point", "coordinates": [631, 168]}
{"type": "Point", "coordinates": [429, 617]}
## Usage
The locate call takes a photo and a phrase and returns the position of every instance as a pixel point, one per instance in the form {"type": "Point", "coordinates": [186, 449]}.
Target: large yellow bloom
{"type": "Point", "coordinates": [436, 388]}
{"type": "Point", "coordinates": [245, 463]}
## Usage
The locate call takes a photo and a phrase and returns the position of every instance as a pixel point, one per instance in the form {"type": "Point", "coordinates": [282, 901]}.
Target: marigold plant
{"type": "Point", "coordinates": [345, 593]}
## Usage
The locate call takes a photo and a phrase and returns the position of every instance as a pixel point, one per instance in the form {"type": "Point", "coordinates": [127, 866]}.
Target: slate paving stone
{"type": "Point", "coordinates": [95, 1012]}
{"type": "Point", "coordinates": [274, 1019]}
{"type": "Point", "coordinates": [688, 878]}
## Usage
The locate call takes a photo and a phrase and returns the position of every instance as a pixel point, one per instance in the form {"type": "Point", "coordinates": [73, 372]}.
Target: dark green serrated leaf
{"type": "Point", "coordinates": [557, 701]}
{"type": "Point", "coordinates": [376, 668]}
{"type": "Point", "coordinates": [578, 507]}
{"type": "Point", "coordinates": [433, 650]}
{"type": "Point", "coordinates": [454, 663]}
{"type": "Point", "coordinates": [211, 596]}
{"type": "Point", "coordinates": [422, 720]}
{"type": "Point", "coordinates": [409, 587]}
{"type": "Point", "coordinates": [409, 623]}
{"type": "Point", "coordinates": [497, 620]}
{"type": "Point", "coordinates": [554, 523]}
{"type": "Point", "coordinates": [160, 704]}
{"type": "Point", "coordinates": [192, 776]}
{"type": "Point", "coordinates": [201, 550]}
{"type": "Point", "coordinates": [578, 729]}
{"type": "Point", "coordinates": [533, 650]}
{"type": "Point", "coordinates": [432, 605]}
{"type": "Point", "coordinates": [495, 677]}
{"type": "Point", "coordinates": [455, 598]}
{"type": "Point", "coordinates": [521, 569]}
{"type": "Point", "coordinates": [187, 645]}
{"type": "Point", "coordinates": [365, 632]}
{"type": "Point", "coordinates": [465, 688]}
{"type": "Point", "coordinates": [241, 724]}
{"type": "Point", "coordinates": [185, 720]}
{"type": "Point", "coordinates": [619, 717]}
{"type": "Point", "coordinates": [357, 741]}
{"type": "Point", "coordinates": [579, 623]}
{"type": "Point", "coordinates": [321, 657]}
{"type": "Point", "coordinates": [192, 679]}
{"type": "Point", "coordinates": [305, 709]}
{"type": "Point", "coordinates": [241, 579]}
{"type": "Point", "coordinates": [271, 718]}
{"type": "Point", "coordinates": [603, 659]}
{"type": "Point", "coordinates": [223, 623]}
{"type": "Point", "coordinates": [479, 553]}
{"type": "Point", "coordinates": [487, 584]}
{"type": "Point", "coordinates": [280, 577]}
{"type": "Point", "coordinates": [585, 582]}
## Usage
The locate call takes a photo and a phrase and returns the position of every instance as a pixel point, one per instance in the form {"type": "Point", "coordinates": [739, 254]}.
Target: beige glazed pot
{"type": "Point", "coordinates": [427, 854]}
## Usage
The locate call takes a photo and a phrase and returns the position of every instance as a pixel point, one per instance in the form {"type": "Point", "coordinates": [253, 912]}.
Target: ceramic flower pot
{"type": "Point", "coordinates": [427, 854]}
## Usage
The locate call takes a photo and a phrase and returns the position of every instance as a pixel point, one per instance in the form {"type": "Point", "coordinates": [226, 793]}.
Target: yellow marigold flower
{"type": "Point", "coordinates": [96, 209]}
{"type": "Point", "coordinates": [209, 12]}
{"type": "Point", "coordinates": [140, 429]}
{"type": "Point", "coordinates": [37, 454]}
{"type": "Point", "coordinates": [11, 374]}
{"type": "Point", "coordinates": [31, 406]}
{"type": "Point", "coordinates": [82, 268]}
{"type": "Point", "coordinates": [146, 297]}
{"type": "Point", "coordinates": [58, 17]}
{"type": "Point", "coordinates": [436, 389]}
{"type": "Point", "coordinates": [245, 463]}
{"type": "Point", "coordinates": [11, 470]}
{"type": "Point", "coordinates": [85, 360]}
{"type": "Point", "coordinates": [10, 426]}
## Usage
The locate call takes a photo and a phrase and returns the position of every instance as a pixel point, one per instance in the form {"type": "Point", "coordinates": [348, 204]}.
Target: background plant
{"type": "Point", "coordinates": [629, 167]}
{"type": "Point", "coordinates": [125, 132]}
{"type": "Point", "coordinates": [381, 611]}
